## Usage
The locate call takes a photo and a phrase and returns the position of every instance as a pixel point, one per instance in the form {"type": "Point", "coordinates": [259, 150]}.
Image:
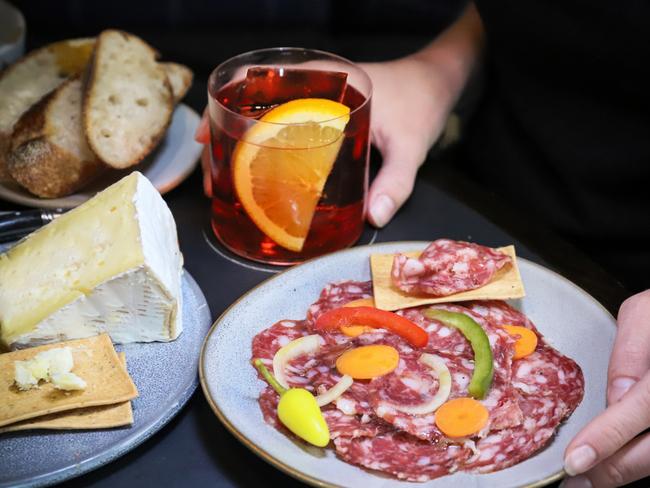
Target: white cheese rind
{"type": "Point", "coordinates": [136, 299]}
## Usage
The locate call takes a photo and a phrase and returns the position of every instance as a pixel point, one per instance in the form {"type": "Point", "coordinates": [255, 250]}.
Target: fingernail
{"type": "Point", "coordinates": [619, 387]}
{"type": "Point", "coordinates": [381, 210]}
{"type": "Point", "coordinates": [576, 482]}
{"type": "Point", "coordinates": [579, 460]}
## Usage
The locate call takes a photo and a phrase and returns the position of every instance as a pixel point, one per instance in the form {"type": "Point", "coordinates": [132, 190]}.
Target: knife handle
{"type": "Point", "coordinates": [14, 225]}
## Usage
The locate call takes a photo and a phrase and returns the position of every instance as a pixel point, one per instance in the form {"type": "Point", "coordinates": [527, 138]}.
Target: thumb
{"type": "Point", "coordinates": [630, 358]}
{"type": "Point", "coordinates": [394, 182]}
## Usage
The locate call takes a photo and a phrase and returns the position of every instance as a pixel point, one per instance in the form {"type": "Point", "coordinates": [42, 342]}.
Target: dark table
{"type": "Point", "coordinates": [194, 449]}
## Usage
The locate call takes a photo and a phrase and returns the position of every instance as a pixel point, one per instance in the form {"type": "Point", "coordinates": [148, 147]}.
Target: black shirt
{"type": "Point", "coordinates": [563, 129]}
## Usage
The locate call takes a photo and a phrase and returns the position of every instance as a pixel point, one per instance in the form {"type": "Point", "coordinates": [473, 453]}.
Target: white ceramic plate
{"type": "Point", "coordinates": [171, 162]}
{"type": "Point", "coordinates": [571, 320]}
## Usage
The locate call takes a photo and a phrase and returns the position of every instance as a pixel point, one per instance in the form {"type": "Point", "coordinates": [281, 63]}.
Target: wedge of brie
{"type": "Point", "coordinates": [110, 265]}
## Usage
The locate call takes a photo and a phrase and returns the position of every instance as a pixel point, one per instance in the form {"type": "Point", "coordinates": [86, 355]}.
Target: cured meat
{"type": "Point", "coordinates": [336, 295]}
{"type": "Point", "coordinates": [549, 387]}
{"type": "Point", "coordinates": [402, 455]}
{"type": "Point", "coordinates": [351, 426]}
{"type": "Point", "coordinates": [499, 313]}
{"type": "Point", "coordinates": [267, 342]}
{"type": "Point", "coordinates": [527, 400]}
{"type": "Point", "coordinates": [446, 267]}
{"type": "Point", "coordinates": [412, 383]}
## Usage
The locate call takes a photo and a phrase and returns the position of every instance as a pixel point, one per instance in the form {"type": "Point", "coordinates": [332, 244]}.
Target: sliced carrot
{"type": "Point", "coordinates": [367, 362]}
{"type": "Point", "coordinates": [461, 417]}
{"type": "Point", "coordinates": [526, 340]}
{"type": "Point", "coordinates": [357, 330]}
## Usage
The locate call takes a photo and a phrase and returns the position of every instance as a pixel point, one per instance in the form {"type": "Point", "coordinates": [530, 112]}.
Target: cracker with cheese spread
{"type": "Point", "coordinates": [95, 360]}
{"type": "Point", "coordinates": [102, 417]}
{"type": "Point", "coordinates": [506, 285]}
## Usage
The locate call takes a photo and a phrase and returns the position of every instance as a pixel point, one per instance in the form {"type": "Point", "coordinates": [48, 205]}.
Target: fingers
{"type": "Point", "coordinates": [611, 430]}
{"type": "Point", "coordinates": [630, 358]}
{"type": "Point", "coordinates": [629, 464]}
{"type": "Point", "coordinates": [395, 180]}
{"type": "Point", "coordinates": [205, 166]}
{"type": "Point", "coordinates": [202, 133]}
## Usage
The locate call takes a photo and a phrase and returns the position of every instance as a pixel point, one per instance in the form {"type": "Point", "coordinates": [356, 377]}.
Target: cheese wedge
{"type": "Point", "coordinates": [110, 265]}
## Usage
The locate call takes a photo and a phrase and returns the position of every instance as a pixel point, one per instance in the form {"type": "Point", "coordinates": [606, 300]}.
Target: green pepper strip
{"type": "Point", "coordinates": [478, 339]}
{"type": "Point", "coordinates": [270, 379]}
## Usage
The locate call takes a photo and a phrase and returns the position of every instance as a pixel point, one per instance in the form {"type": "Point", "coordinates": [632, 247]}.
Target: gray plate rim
{"type": "Point", "coordinates": [297, 473]}
{"type": "Point", "coordinates": [103, 458]}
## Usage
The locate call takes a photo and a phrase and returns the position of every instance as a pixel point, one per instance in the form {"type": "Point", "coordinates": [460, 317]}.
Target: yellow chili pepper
{"type": "Point", "coordinates": [298, 410]}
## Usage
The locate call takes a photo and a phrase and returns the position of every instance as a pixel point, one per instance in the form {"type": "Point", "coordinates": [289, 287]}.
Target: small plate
{"type": "Point", "coordinates": [165, 374]}
{"type": "Point", "coordinates": [171, 162]}
{"type": "Point", "coordinates": [571, 320]}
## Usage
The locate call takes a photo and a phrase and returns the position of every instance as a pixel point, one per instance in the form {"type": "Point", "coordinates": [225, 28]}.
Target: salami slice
{"type": "Point", "coordinates": [549, 386]}
{"type": "Point", "coordinates": [412, 383]}
{"type": "Point", "coordinates": [267, 342]}
{"type": "Point", "coordinates": [352, 426]}
{"type": "Point", "coordinates": [446, 267]}
{"type": "Point", "coordinates": [336, 295]}
{"type": "Point", "coordinates": [402, 455]}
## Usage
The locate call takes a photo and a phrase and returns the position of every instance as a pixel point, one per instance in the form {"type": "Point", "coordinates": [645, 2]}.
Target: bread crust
{"type": "Point", "coordinates": [183, 74]}
{"type": "Point", "coordinates": [50, 49]}
{"type": "Point", "coordinates": [37, 163]}
{"type": "Point", "coordinates": [91, 94]}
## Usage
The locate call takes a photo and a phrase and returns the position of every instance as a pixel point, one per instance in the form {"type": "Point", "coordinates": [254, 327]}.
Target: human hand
{"type": "Point", "coordinates": [607, 452]}
{"type": "Point", "coordinates": [406, 121]}
{"type": "Point", "coordinates": [411, 102]}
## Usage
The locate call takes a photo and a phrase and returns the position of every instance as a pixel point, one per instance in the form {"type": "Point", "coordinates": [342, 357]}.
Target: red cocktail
{"type": "Point", "coordinates": [290, 140]}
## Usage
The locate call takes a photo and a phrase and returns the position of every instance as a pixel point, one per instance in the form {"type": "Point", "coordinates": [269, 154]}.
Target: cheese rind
{"type": "Point", "coordinates": [110, 265]}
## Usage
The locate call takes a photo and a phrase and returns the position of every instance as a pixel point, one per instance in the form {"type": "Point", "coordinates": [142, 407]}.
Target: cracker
{"type": "Point", "coordinates": [104, 417]}
{"type": "Point", "coordinates": [505, 285]}
{"type": "Point", "coordinates": [95, 361]}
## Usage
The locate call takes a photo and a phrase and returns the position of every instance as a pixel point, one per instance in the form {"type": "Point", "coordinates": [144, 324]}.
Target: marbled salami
{"type": "Point", "coordinates": [446, 267]}
{"type": "Point", "coordinates": [402, 455]}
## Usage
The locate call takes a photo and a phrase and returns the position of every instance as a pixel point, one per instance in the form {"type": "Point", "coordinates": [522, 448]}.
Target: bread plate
{"type": "Point", "coordinates": [165, 385]}
{"type": "Point", "coordinates": [570, 319]}
{"type": "Point", "coordinates": [168, 165]}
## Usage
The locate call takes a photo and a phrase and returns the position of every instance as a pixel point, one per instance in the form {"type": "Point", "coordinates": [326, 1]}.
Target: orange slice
{"type": "Point", "coordinates": [282, 163]}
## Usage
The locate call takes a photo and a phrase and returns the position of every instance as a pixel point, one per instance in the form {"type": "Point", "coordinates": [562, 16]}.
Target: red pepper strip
{"type": "Point", "coordinates": [373, 317]}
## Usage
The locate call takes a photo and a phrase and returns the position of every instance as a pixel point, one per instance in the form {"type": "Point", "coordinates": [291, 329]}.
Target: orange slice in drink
{"type": "Point", "coordinates": [281, 165]}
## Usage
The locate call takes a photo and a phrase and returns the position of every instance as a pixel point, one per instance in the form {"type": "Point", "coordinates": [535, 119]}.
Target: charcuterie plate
{"type": "Point", "coordinates": [569, 318]}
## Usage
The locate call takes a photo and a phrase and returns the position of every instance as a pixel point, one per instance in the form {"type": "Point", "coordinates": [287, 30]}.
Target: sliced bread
{"type": "Point", "coordinates": [128, 101]}
{"type": "Point", "coordinates": [49, 155]}
{"type": "Point", "coordinates": [180, 78]}
{"type": "Point", "coordinates": [29, 79]}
